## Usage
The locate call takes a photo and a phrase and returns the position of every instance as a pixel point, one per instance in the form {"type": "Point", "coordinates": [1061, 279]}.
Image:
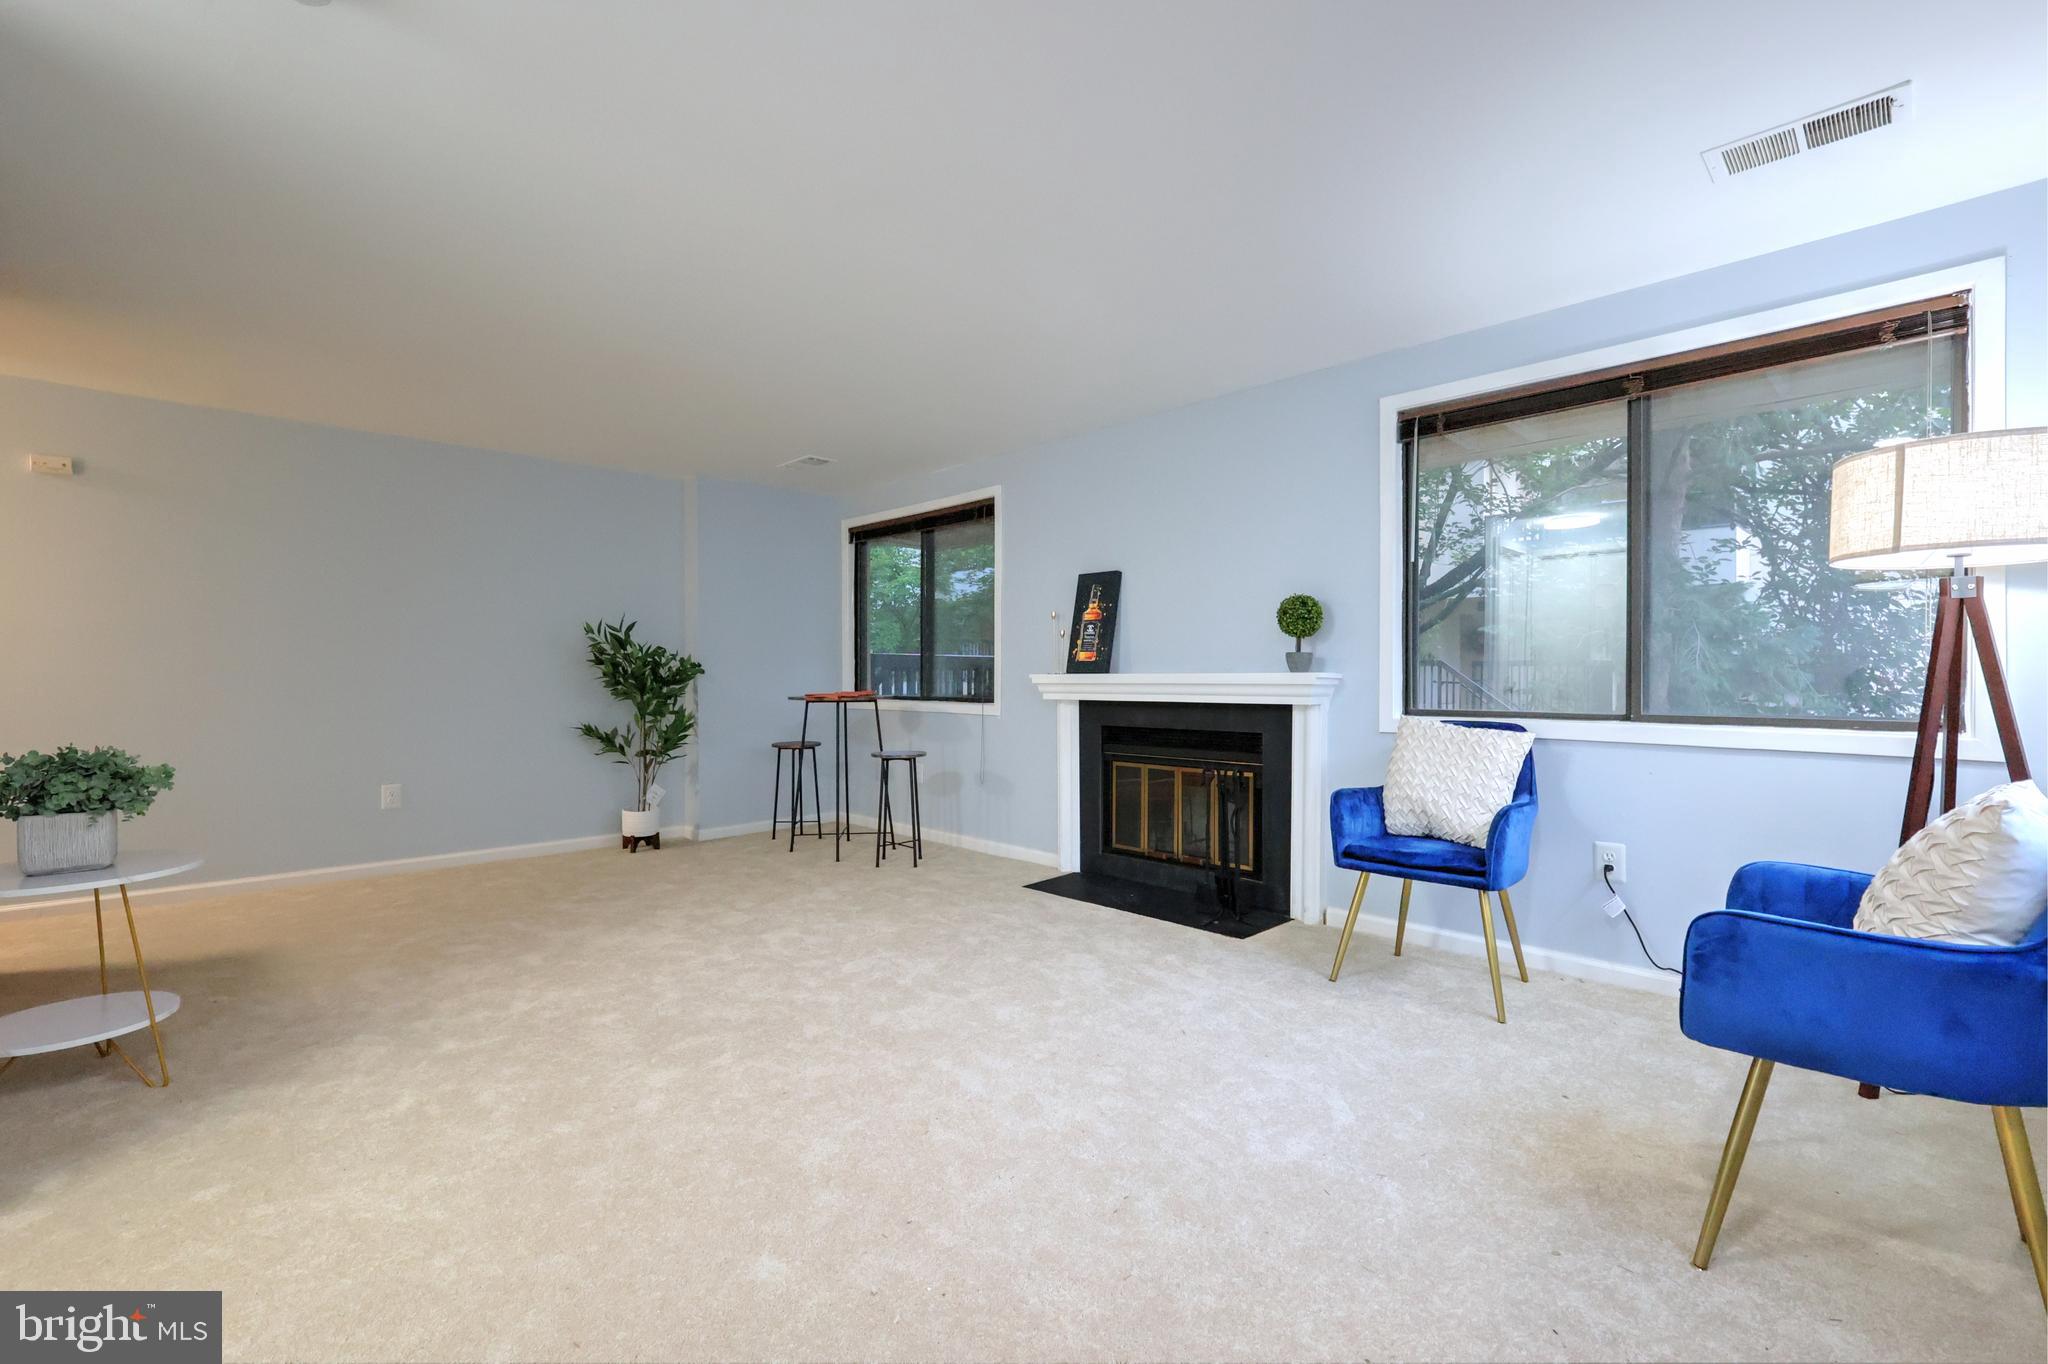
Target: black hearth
{"type": "Point", "coordinates": [1184, 813]}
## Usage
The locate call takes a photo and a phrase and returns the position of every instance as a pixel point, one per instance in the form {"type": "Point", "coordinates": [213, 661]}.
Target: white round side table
{"type": "Point", "coordinates": [95, 1020]}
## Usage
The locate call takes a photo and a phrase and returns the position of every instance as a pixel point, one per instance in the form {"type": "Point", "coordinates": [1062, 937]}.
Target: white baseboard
{"type": "Point", "coordinates": [966, 842]}
{"type": "Point", "coordinates": [1468, 944]}
{"type": "Point", "coordinates": [759, 826]}
{"type": "Point", "coordinates": [239, 885]}
{"type": "Point", "coordinates": [1015, 852]}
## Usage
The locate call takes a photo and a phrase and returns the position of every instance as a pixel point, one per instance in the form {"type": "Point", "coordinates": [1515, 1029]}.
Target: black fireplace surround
{"type": "Point", "coordinates": [1227, 756]}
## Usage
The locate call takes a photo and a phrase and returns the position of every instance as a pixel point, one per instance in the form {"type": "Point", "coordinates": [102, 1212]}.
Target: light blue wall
{"type": "Point", "coordinates": [1215, 511]}
{"type": "Point", "coordinates": [293, 615]}
{"type": "Point", "coordinates": [767, 626]}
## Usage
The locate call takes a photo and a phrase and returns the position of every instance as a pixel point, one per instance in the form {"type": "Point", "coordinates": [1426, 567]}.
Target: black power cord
{"type": "Point", "coordinates": [1607, 875]}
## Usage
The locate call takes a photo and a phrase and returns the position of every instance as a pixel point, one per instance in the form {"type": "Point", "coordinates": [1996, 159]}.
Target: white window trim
{"type": "Point", "coordinates": [993, 706]}
{"type": "Point", "coordinates": [1985, 281]}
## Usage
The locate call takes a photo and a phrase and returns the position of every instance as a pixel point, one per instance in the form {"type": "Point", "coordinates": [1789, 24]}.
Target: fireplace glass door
{"type": "Point", "coordinates": [1194, 815]}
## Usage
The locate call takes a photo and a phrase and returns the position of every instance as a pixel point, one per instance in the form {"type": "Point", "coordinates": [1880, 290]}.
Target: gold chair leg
{"type": "Point", "coordinates": [1500, 1004]}
{"type": "Point", "coordinates": [1401, 924]}
{"type": "Point", "coordinates": [1350, 922]}
{"type": "Point", "coordinates": [1507, 909]}
{"type": "Point", "coordinates": [2019, 1204]}
{"type": "Point", "coordinates": [1746, 1109]}
{"type": "Point", "coordinates": [2026, 1190]}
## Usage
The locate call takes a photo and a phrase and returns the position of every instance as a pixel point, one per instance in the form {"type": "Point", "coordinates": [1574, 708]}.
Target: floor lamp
{"type": "Point", "coordinates": [1961, 502]}
{"type": "Point", "coordinates": [1972, 500]}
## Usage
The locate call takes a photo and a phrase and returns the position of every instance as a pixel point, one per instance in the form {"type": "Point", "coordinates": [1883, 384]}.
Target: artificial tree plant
{"type": "Point", "coordinates": [1299, 615]}
{"type": "Point", "coordinates": [654, 682]}
{"type": "Point", "coordinates": [67, 806]}
{"type": "Point", "coordinates": [77, 781]}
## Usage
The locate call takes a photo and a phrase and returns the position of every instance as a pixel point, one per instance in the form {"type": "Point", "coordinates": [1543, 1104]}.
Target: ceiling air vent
{"type": "Point", "coordinates": [1870, 114]}
{"type": "Point", "coordinates": [1759, 151]}
{"type": "Point", "coordinates": [804, 462]}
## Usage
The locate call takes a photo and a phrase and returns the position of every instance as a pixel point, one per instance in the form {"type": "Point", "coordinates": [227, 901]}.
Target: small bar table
{"type": "Point", "coordinates": [95, 1020]}
{"type": "Point", "coordinates": [842, 760]}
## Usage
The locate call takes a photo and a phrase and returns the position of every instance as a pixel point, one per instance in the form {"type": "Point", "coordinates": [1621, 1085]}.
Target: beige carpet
{"type": "Point", "coordinates": [722, 1102]}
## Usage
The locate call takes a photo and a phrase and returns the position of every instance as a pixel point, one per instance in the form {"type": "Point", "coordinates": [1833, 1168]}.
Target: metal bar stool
{"type": "Point", "coordinates": [885, 814]}
{"type": "Point", "coordinates": [795, 748]}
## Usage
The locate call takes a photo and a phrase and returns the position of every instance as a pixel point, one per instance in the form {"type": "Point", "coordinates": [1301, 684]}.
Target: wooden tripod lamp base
{"type": "Point", "coordinates": [1960, 610]}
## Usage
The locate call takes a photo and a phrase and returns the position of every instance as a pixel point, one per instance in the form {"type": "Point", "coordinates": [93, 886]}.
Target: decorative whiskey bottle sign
{"type": "Point", "coordinates": [1088, 639]}
{"type": "Point", "coordinates": [1094, 629]}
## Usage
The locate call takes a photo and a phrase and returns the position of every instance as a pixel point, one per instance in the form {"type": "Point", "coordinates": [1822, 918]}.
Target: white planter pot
{"type": "Point", "coordinates": [48, 844]}
{"type": "Point", "coordinates": [640, 823]}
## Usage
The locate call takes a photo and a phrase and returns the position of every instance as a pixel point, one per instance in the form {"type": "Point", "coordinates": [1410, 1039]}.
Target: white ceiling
{"type": "Point", "coordinates": [713, 237]}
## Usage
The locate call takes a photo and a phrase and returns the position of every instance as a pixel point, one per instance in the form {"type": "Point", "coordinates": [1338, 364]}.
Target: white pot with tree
{"type": "Point", "coordinates": [654, 682]}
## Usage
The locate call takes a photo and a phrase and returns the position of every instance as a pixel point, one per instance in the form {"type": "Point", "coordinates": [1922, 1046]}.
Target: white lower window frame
{"type": "Point", "coordinates": [1985, 282]}
{"type": "Point", "coordinates": [993, 706]}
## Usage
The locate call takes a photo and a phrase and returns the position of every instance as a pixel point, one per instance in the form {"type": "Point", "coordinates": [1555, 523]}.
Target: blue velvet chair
{"type": "Point", "coordinates": [1359, 838]}
{"type": "Point", "coordinates": [1780, 975]}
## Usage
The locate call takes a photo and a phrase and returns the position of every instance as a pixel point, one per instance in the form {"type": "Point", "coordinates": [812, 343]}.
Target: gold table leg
{"type": "Point", "coordinates": [1732, 1152]}
{"type": "Point", "coordinates": [1500, 1004]}
{"type": "Point", "coordinates": [1350, 922]}
{"type": "Point", "coordinates": [2026, 1190]}
{"type": "Point", "coordinates": [99, 924]}
{"type": "Point", "coordinates": [163, 1067]}
{"type": "Point", "coordinates": [1401, 924]}
{"type": "Point", "coordinates": [1507, 909]}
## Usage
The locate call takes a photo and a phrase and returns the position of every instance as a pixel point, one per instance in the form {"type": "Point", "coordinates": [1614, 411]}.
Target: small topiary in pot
{"type": "Point", "coordinates": [1300, 616]}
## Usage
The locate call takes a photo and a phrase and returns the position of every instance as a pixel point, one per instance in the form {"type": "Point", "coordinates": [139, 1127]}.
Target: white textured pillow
{"type": "Point", "coordinates": [1447, 781]}
{"type": "Point", "coordinates": [1978, 874]}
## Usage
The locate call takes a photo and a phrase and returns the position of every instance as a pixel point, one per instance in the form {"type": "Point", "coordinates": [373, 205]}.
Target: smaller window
{"type": "Point", "coordinates": [924, 605]}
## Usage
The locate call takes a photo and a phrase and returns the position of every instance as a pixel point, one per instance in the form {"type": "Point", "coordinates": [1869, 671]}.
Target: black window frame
{"type": "Point", "coordinates": [924, 525]}
{"type": "Point", "coordinates": [1945, 315]}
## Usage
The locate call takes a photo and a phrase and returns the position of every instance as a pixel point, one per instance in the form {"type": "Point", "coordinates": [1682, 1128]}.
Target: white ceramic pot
{"type": "Point", "coordinates": [48, 844]}
{"type": "Point", "coordinates": [640, 823]}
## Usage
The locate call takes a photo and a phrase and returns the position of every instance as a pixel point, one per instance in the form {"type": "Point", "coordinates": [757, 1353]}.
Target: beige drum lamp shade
{"type": "Point", "coordinates": [1981, 496]}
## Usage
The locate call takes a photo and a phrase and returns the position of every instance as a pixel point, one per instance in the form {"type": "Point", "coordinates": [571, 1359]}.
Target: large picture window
{"type": "Point", "coordinates": [924, 605]}
{"type": "Point", "coordinates": [1651, 544]}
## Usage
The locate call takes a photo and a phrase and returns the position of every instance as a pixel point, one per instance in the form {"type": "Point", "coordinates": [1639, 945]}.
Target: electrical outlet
{"type": "Point", "coordinates": [390, 797]}
{"type": "Point", "coordinates": [59, 465]}
{"type": "Point", "coordinates": [1613, 855]}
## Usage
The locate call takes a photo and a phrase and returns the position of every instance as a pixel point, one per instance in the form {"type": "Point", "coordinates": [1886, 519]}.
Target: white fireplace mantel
{"type": "Point", "coordinates": [1307, 695]}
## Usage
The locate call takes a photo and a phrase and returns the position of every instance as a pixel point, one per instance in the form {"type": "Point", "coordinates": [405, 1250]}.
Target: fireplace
{"type": "Point", "coordinates": [1288, 800]}
{"type": "Point", "coordinates": [1189, 798]}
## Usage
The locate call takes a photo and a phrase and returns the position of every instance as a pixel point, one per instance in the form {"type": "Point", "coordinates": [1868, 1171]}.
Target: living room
{"type": "Point", "coordinates": [800, 681]}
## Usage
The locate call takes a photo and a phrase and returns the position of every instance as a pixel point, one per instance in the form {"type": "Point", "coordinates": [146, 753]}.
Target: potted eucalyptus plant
{"type": "Point", "coordinates": [1300, 616]}
{"type": "Point", "coordinates": [67, 806]}
{"type": "Point", "coordinates": [654, 682]}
